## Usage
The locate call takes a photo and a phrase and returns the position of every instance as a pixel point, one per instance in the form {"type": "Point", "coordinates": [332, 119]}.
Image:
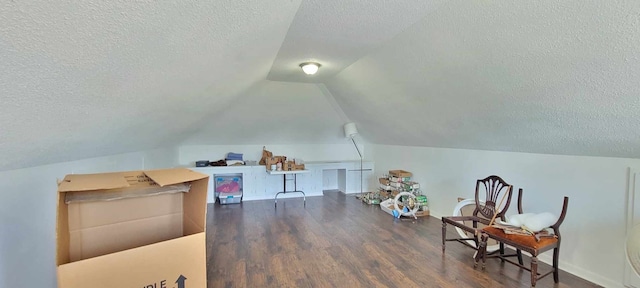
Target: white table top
{"type": "Point", "coordinates": [287, 172]}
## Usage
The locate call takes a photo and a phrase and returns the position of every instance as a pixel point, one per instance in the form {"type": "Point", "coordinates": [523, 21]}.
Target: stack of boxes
{"type": "Point", "coordinates": [396, 182]}
{"type": "Point", "coordinates": [282, 164]}
{"type": "Point", "coordinates": [291, 166]}
{"type": "Point", "coordinates": [386, 191]}
{"type": "Point", "coordinates": [400, 181]}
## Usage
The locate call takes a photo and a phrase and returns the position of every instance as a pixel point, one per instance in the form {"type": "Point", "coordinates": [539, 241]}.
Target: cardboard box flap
{"type": "Point", "coordinates": [173, 176]}
{"type": "Point", "coordinates": [124, 193]}
{"type": "Point", "coordinates": [84, 182]}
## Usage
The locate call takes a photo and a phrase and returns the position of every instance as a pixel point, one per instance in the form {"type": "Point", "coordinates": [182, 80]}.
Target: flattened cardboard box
{"type": "Point", "coordinates": [135, 239]}
{"type": "Point", "coordinates": [399, 173]}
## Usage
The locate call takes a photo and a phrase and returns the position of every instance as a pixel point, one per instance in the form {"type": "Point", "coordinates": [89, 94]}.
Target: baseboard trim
{"type": "Point", "coordinates": [582, 273]}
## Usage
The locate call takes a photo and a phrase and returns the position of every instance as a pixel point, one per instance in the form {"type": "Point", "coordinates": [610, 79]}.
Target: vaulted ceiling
{"type": "Point", "coordinates": [94, 78]}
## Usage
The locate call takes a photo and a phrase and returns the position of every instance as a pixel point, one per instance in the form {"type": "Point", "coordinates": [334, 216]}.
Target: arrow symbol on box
{"type": "Point", "coordinates": [180, 281]}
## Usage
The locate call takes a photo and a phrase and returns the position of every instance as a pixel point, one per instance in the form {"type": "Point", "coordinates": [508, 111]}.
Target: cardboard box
{"type": "Point", "coordinates": [145, 235]}
{"type": "Point", "coordinates": [288, 166]}
{"type": "Point", "coordinates": [274, 160]}
{"type": "Point", "coordinates": [291, 166]}
{"type": "Point", "coordinates": [384, 181]}
{"type": "Point", "coordinates": [399, 173]}
{"type": "Point", "coordinates": [399, 179]}
{"type": "Point", "coordinates": [422, 213]}
{"type": "Point", "coordinates": [386, 187]}
{"type": "Point", "coordinates": [409, 186]}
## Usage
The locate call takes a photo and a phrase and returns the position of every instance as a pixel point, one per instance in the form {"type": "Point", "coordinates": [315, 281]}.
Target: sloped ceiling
{"type": "Point", "coordinates": [338, 33]}
{"type": "Point", "coordinates": [94, 78]}
{"type": "Point", "coordinates": [275, 113]}
{"type": "Point", "coordinates": [557, 77]}
{"type": "Point", "coordinates": [90, 78]}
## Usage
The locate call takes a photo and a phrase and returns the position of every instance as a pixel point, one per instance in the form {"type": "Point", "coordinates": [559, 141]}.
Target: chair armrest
{"type": "Point", "coordinates": [457, 222]}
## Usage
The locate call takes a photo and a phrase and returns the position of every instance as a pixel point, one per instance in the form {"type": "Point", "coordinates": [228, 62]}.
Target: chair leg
{"type": "Point", "coordinates": [519, 252]}
{"type": "Point", "coordinates": [482, 251]}
{"type": "Point", "coordinates": [444, 235]}
{"type": "Point", "coordinates": [478, 255]}
{"type": "Point", "coordinates": [534, 270]}
{"type": "Point", "coordinates": [501, 251]}
{"type": "Point", "coordinates": [556, 255]}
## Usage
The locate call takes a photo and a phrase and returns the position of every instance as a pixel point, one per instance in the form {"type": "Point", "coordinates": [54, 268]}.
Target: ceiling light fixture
{"type": "Point", "coordinates": [310, 68]}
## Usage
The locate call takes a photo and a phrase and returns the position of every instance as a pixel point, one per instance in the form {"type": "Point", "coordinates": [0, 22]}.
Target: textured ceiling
{"type": "Point", "coordinates": [273, 112]}
{"type": "Point", "coordinates": [557, 77]}
{"type": "Point", "coordinates": [336, 33]}
{"type": "Point", "coordinates": [93, 78]}
{"type": "Point", "coordinates": [89, 78]}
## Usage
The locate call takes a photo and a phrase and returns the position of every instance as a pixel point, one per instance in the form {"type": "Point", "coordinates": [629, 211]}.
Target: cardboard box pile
{"type": "Point", "coordinates": [132, 229]}
{"type": "Point", "coordinates": [292, 166]}
{"type": "Point", "coordinates": [286, 165]}
{"type": "Point", "coordinates": [400, 181]}
{"type": "Point", "coordinates": [274, 161]}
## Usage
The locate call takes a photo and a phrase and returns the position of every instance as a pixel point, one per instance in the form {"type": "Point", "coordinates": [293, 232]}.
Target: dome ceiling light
{"type": "Point", "coordinates": [310, 68]}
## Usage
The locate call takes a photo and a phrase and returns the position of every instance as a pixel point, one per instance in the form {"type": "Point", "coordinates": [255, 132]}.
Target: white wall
{"type": "Point", "coordinates": [274, 113]}
{"type": "Point", "coordinates": [594, 229]}
{"type": "Point", "coordinates": [28, 212]}
{"type": "Point", "coordinates": [188, 154]}
{"type": "Point", "coordinates": [593, 232]}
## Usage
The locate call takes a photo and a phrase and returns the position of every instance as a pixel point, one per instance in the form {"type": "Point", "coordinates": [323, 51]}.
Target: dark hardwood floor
{"type": "Point", "coordinates": [337, 241]}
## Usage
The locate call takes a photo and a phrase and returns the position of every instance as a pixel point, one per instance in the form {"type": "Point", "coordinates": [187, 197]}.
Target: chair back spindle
{"type": "Point", "coordinates": [494, 188]}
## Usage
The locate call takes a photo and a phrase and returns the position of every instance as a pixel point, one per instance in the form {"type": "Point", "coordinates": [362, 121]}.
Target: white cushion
{"type": "Point", "coordinates": [540, 221]}
{"type": "Point", "coordinates": [533, 222]}
{"type": "Point", "coordinates": [518, 219]}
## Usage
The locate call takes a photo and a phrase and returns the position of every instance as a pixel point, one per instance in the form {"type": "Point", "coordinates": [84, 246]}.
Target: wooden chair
{"type": "Point", "coordinates": [493, 188]}
{"type": "Point", "coordinates": [528, 243]}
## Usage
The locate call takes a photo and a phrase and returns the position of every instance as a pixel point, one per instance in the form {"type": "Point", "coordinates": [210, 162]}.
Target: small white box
{"type": "Point", "coordinates": [386, 187]}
